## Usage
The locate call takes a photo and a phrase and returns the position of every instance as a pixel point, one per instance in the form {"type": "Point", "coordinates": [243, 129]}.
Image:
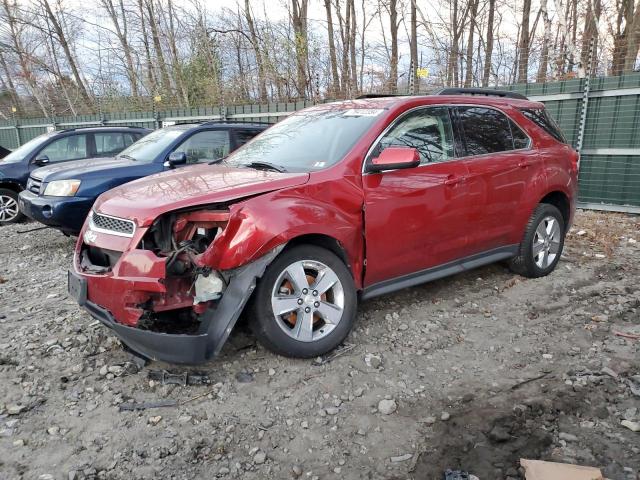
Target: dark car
{"type": "Point", "coordinates": [53, 148]}
{"type": "Point", "coordinates": [61, 196]}
{"type": "Point", "coordinates": [4, 152]}
{"type": "Point", "coordinates": [339, 202]}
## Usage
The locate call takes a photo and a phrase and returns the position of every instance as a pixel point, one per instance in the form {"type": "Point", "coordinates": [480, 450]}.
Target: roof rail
{"type": "Point", "coordinates": [489, 92]}
{"type": "Point", "coordinates": [232, 121]}
{"type": "Point", "coordinates": [380, 95]}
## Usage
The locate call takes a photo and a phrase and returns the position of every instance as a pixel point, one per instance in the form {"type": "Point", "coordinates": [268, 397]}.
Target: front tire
{"type": "Point", "coordinates": [9, 211]}
{"type": "Point", "coordinates": [542, 244]}
{"type": "Point", "coordinates": [305, 304]}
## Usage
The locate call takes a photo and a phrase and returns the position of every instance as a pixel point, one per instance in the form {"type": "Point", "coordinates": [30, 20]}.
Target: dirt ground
{"type": "Point", "coordinates": [477, 370]}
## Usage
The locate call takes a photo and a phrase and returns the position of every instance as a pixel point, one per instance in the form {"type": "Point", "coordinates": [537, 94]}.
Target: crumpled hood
{"type": "Point", "coordinates": [145, 199]}
{"type": "Point", "coordinates": [79, 168]}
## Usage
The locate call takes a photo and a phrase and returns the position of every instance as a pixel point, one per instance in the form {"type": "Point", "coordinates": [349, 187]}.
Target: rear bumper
{"type": "Point", "coordinates": [215, 327]}
{"type": "Point", "coordinates": [64, 213]}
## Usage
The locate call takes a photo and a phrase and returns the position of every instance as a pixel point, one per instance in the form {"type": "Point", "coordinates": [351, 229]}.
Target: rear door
{"type": "Point", "coordinates": [109, 144]}
{"type": "Point", "coordinates": [501, 166]}
{"type": "Point", "coordinates": [242, 136]}
{"type": "Point", "coordinates": [415, 218]}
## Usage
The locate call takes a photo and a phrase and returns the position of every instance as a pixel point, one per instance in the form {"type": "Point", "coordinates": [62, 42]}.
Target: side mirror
{"type": "Point", "coordinates": [175, 159]}
{"type": "Point", "coordinates": [395, 158]}
{"type": "Point", "coordinates": [42, 160]}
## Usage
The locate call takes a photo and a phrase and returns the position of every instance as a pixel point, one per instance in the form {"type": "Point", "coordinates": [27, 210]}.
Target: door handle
{"type": "Point", "coordinates": [454, 180]}
{"type": "Point", "coordinates": [525, 163]}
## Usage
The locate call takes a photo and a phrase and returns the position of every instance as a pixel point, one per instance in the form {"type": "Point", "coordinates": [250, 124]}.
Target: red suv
{"type": "Point", "coordinates": [338, 203]}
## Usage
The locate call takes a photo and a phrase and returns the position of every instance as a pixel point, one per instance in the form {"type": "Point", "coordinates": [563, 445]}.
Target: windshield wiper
{"type": "Point", "coordinates": [264, 165]}
{"type": "Point", "coordinates": [128, 157]}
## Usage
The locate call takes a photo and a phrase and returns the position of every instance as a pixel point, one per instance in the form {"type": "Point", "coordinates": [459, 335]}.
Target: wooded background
{"type": "Point", "coordinates": [64, 57]}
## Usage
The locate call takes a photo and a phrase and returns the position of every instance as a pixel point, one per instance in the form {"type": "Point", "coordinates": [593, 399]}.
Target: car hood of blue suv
{"type": "Point", "coordinates": [85, 169]}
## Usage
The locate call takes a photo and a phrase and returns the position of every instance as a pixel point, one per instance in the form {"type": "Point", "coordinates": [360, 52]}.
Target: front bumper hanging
{"type": "Point", "coordinates": [215, 327]}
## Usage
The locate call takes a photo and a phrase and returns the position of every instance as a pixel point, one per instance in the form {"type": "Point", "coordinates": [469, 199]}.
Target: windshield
{"type": "Point", "coordinates": [307, 141]}
{"type": "Point", "coordinates": [25, 150]}
{"type": "Point", "coordinates": [148, 148]}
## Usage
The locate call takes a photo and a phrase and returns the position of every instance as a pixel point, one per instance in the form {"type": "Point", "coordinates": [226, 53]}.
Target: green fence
{"type": "Point", "coordinates": [609, 125]}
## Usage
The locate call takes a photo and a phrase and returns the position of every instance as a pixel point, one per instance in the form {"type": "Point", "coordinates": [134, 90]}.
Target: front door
{"type": "Point", "coordinates": [415, 218]}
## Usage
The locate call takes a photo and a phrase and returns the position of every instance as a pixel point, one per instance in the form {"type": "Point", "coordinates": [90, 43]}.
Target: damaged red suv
{"type": "Point", "coordinates": [338, 203]}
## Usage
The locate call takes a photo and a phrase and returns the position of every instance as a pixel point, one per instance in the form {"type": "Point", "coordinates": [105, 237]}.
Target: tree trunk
{"type": "Point", "coordinates": [468, 77]}
{"type": "Point", "coordinates": [335, 80]}
{"type": "Point", "coordinates": [489, 48]}
{"type": "Point", "coordinates": [544, 60]}
{"type": "Point", "coordinates": [62, 39]}
{"type": "Point", "coordinates": [175, 59]}
{"type": "Point", "coordinates": [299, 21]}
{"type": "Point", "coordinates": [255, 41]}
{"type": "Point", "coordinates": [633, 43]}
{"type": "Point", "coordinates": [155, 37]}
{"type": "Point", "coordinates": [414, 46]}
{"type": "Point", "coordinates": [151, 78]}
{"type": "Point", "coordinates": [121, 31]}
{"type": "Point", "coordinates": [523, 67]}
{"type": "Point", "coordinates": [590, 32]}
{"type": "Point", "coordinates": [393, 23]}
{"type": "Point", "coordinates": [352, 48]}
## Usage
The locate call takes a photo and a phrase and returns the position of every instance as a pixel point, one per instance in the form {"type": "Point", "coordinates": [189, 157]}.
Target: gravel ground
{"type": "Point", "coordinates": [472, 372]}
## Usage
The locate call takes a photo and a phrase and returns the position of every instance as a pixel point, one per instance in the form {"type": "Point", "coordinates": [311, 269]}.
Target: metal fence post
{"type": "Point", "coordinates": [585, 96]}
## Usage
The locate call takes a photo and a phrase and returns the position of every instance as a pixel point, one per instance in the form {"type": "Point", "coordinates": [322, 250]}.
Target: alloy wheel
{"type": "Point", "coordinates": [546, 242]}
{"type": "Point", "coordinates": [307, 300]}
{"type": "Point", "coordinates": [8, 208]}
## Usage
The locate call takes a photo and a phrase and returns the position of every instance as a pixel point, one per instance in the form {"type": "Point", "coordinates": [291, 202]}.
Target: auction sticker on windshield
{"type": "Point", "coordinates": [363, 112]}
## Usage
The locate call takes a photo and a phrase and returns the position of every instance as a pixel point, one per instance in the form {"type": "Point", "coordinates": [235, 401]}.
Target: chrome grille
{"type": "Point", "coordinates": [33, 185]}
{"type": "Point", "coordinates": [113, 225]}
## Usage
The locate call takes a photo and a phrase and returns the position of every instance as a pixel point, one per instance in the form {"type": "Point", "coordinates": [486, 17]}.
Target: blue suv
{"type": "Point", "coordinates": [61, 196]}
{"type": "Point", "coordinates": [54, 148]}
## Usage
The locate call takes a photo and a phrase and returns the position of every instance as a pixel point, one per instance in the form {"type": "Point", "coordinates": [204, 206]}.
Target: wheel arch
{"type": "Point", "coordinates": [560, 200]}
{"type": "Point", "coordinates": [10, 185]}
{"type": "Point", "coordinates": [323, 241]}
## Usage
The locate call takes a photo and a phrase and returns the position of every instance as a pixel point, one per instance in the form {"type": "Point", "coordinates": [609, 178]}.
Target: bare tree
{"type": "Point", "coordinates": [335, 79]}
{"type": "Point", "coordinates": [489, 44]}
{"type": "Point", "coordinates": [523, 44]}
{"type": "Point", "coordinates": [299, 22]}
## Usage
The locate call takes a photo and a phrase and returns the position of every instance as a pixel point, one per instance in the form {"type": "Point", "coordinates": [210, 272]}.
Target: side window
{"type": "Point", "coordinates": [520, 139]}
{"type": "Point", "coordinates": [428, 130]}
{"type": "Point", "coordinates": [485, 130]}
{"type": "Point", "coordinates": [109, 143]}
{"type": "Point", "coordinates": [131, 138]}
{"type": "Point", "coordinates": [541, 118]}
{"type": "Point", "coordinates": [205, 146]}
{"type": "Point", "coordinates": [71, 147]}
{"type": "Point", "coordinates": [243, 136]}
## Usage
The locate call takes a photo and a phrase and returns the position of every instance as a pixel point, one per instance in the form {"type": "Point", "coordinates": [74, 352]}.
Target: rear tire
{"type": "Point", "coordinates": [542, 244]}
{"type": "Point", "coordinates": [305, 304]}
{"type": "Point", "coordinates": [9, 211]}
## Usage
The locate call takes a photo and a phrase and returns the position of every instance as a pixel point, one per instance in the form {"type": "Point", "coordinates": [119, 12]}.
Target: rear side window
{"type": "Point", "coordinates": [485, 130]}
{"type": "Point", "coordinates": [206, 146]}
{"type": "Point", "coordinates": [540, 117]}
{"type": "Point", "coordinates": [520, 139]}
{"type": "Point", "coordinates": [243, 136]}
{"type": "Point", "coordinates": [109, 143]}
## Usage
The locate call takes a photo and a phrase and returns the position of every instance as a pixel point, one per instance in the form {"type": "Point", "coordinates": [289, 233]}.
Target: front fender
{"type": "Point", "coordinates": [262, 223]}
